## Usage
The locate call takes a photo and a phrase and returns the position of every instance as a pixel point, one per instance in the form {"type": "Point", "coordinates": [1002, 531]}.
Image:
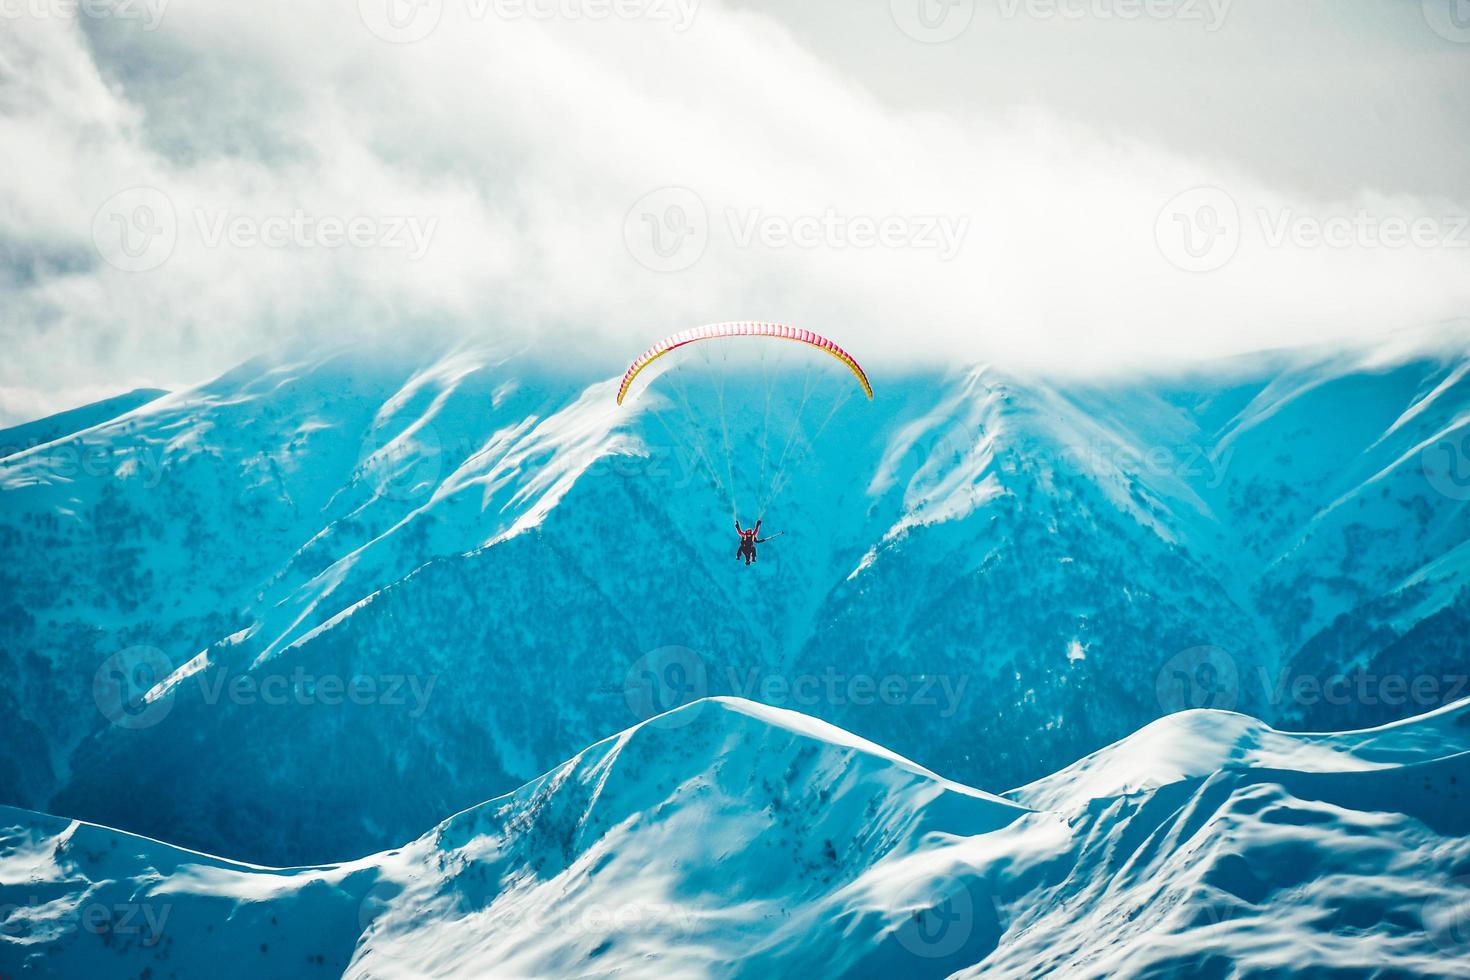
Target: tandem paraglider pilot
{"type": "Point", "coordinates": [749, 538]}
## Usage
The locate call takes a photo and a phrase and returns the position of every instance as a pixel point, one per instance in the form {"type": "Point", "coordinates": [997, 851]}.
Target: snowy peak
{"type": "Point", "coordinates": [1191, 745]}
{"type": "Point", "coordinates": [52, 428]}
{"type": "Point", "coordinates": [721, 832]}
{"type": "Point", "coordinates": [728, 838]}
{"type": "Point", "coordinates": [657, 819]}
{"type": "Point", "coordinates": [733, 737]}
{"type": "Point", "coordinates": [1210, 842]}
{"type": "Point", "coordinates": [79, 900]}
{"type": "Point", "coordinates": [1021, 560]}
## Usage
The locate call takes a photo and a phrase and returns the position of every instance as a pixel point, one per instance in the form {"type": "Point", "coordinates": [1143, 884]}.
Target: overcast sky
{"type": "Point", "coordinates": [1053, 184]}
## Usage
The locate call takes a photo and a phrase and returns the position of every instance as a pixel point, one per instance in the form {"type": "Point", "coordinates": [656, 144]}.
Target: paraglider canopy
{"type": "Point", "coordinates": [737, 441]}
{"type": "Point", "coordinates": [715, 331]}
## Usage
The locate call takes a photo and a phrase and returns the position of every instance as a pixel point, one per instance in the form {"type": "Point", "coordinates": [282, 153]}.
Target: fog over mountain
{"type": "Point", "coordinates": [1063, 186]}
{"type": "Point", "coordinates": [714, 488]}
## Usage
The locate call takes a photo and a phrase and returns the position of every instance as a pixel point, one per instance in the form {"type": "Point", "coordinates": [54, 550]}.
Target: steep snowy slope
{"type": "Point", "coordinates": [1195, 744]}
{"type": "Point", "coordinates": [732, 839]}
{"type": "Point", "coordinates": [1367, 512]}
{"type": "Point", "coordinates": [211, 513]}
{"type": "Point", "coordinates": [724, 832]}
{"type": "Point", "coordinates": [1212, 845]}
{"type": "Point", "coordinates": [53, 427]}
{"type": "Point", "coordinates": [486, 554]}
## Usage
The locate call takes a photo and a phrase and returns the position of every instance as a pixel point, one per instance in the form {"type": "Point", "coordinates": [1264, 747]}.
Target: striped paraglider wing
{"type": "Point", "coordinates": [714, 331]}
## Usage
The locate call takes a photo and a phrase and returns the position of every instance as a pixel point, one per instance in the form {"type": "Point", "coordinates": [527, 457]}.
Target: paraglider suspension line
{"type": "Point", "coordinates": [704, 454]}
{"type": "Point", "coordinates": [725, 427]}
{"type": "Point", "coordinates": [806, 393]}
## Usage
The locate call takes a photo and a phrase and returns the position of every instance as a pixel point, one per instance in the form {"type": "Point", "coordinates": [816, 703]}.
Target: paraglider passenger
{"type": "Point", "coordinates": [749, 538]}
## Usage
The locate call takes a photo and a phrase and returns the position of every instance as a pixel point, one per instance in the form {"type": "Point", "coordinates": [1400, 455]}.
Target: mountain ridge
{"type": "Point", "coordinates": [731, 838]}
{"type": "Point", "coordinates": [972, 552]}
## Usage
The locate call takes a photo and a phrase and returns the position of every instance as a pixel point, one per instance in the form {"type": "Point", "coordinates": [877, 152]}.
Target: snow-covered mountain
{"type": "Point", "coordinates": [366, 587]}
{"type": "Point", "coordinates": [56, 427]}
{"type": "Point", "coordinates": [727, 838]}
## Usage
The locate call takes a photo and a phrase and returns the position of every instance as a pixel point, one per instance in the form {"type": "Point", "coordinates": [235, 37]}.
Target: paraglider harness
{"type": "Point", "coordinates": [749, 538]}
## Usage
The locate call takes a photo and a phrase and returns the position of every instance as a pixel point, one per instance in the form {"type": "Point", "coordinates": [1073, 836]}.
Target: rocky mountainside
{"type": "Point", "coordinates": [349, 591]}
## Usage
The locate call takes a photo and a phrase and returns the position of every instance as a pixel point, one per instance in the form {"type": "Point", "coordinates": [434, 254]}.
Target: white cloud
{"type": "Point", "coordinates": [522, 145]}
